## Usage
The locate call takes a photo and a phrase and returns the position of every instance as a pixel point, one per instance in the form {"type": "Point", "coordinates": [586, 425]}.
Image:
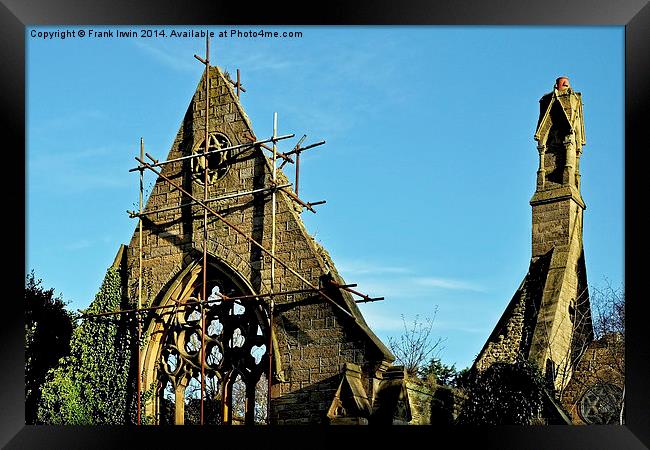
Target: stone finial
{"type": "Point", "coordinates": [562, 84]}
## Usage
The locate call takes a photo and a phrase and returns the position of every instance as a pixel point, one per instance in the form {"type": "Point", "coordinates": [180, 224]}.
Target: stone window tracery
{"type": "Point", "coordinates": [218, 163]}
{"type": "Point", "coordinates": [236, 359]}
{"type": "Point", "coordinates": [601, 404]}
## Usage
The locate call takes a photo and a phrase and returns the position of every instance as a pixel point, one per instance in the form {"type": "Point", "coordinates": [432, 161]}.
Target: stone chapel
{"type": "Point", "coordinates": [326, 365]}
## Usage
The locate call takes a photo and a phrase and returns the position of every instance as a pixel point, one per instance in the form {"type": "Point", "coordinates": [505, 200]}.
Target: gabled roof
{"type": "Point", "coordinates": [350, 399]}
{"type": "Point", "coordinates": [567, 106]}
{"type": "Point", "coordinates": [240, 130]}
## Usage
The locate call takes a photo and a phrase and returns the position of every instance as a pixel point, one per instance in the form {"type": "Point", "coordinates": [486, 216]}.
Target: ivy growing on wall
{"type": "Point", "coordinates": [91, 386]}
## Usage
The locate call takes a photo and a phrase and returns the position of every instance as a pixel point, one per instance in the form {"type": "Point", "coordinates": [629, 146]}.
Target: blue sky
{"type": "Point", "coordinates": [428, 168]}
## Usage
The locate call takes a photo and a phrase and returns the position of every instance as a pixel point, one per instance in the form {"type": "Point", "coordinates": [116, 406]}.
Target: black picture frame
{"type": "Point", "coordinates": [16, 16]}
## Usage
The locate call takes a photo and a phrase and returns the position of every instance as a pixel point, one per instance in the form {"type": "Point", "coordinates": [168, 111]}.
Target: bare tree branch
{"type": "Point", "coordinates": [415, 346]}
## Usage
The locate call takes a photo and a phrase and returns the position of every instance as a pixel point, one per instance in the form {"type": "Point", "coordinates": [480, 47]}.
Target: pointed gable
{"type": "Point", "coordinates": [563, 109]}
{"type": "Point", "coordinates": [246, 170]}
{"type": "Point", "coordinates": [350, 403]}
{"type": "Point", "coordinates": [312, 337]}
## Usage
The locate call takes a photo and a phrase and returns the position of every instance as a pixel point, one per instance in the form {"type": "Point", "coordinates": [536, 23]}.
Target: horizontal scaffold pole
{"type": "Point", "coordinates": [213, 152]}
{"type": "Point", "coordinates": [133, 214]}
{"type": "Point", "coordinates": [178, 304]}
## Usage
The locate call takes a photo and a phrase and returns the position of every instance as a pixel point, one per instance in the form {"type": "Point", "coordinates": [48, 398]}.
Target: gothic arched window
{"type": "Point", "coordinates": [235, 358]}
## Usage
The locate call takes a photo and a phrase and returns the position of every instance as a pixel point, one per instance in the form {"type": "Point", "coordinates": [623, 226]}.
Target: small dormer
{"type": "Point", "coordinates": [350, 405]}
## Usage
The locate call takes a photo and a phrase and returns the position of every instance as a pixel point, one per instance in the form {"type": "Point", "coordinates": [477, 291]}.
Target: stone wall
{"type": "Point", "coordinates": [550, 226]}
{"type": "Point", "coordinates": [504, 343]}
{"type": "Point", "coordinates": [434, 404]}
{"type": "Point", "coordinates": [512, 336]}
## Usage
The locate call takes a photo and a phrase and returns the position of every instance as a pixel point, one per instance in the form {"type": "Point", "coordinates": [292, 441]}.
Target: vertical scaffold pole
{"type": "Point", "coordinates": [137, 315]}
{"type": "Point", "coordinates": [297, 170]}
{"type": "Point", "coordinates": [205, 222]}
{"type": "Point", "coordinates": [272, 286]}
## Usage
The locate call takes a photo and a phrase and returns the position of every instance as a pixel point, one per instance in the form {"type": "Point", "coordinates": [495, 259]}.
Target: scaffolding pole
{"type": "Point", "coordinates": [238, 84]}
{"type": "Point", "coordinates": [139, 381]}
{"type": "Point", "coordinates": [364, 298]}
{"type": "Point", "coordinates": [207, 302]}
{"type": "Point", "coordinates": [205, 220]}
{"type": "Point", "coordinates": [219, 150]}
{"type": "Point", "coordinates": [272, 284]}
{"type": "Point", "coordinates": [133, 214]}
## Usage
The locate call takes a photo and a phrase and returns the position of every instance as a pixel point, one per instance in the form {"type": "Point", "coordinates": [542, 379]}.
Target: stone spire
{"type": "Point", "coordinates": [548, 320]}
{"type": "Point", "coordinates": [563, 321]}
{"type": "Point", "coordinates": [560, 136]}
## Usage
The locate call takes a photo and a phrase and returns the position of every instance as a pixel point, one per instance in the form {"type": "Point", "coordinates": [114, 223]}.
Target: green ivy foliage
{"type": "Point", "coordinates": [91, 386]}
{"type": "Point", "coordinates": [504, 394]}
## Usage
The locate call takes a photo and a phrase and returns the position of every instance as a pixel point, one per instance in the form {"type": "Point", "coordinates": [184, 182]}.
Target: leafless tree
{"type": "Point", "coordinates": [608, 304]}
{"type": "Point", "coordinates": [609, 326]}
{"type": "Point", "coordinates": [599, 357]}
{"type": "Point", "coordinates": [261, 401]}
{"type": "Point", "coordinates": [415, 347]}
{"type": "Point", "coordinates": [239, 401]}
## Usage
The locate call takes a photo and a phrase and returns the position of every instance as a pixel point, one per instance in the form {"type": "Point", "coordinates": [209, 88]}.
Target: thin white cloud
{"type": "Point", "coordinates": [44, 159]}
{"type": "Point", "coordinates": [71, 171]}
{"type": "Point", "coordinates": [260, 61]}
{"type": "Point", "coordinates": [396, 281]}
{"type": "Point", "coordinates": [446, 283]}
{"type": "Point", "coordinates": [78, 245]}
{"type": "Point", "coordinates": [441, 325]}
{"type": "Point", "coordinates": [177, 60]}
{"type": "Point", "coordinates": [389, 288]}
{"type": "Point", "coordinates": [62, 122]}
{"type": "Point", "coordinates": [383, 322]}
{"type": "Point", "coordinates": [365, 268]}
